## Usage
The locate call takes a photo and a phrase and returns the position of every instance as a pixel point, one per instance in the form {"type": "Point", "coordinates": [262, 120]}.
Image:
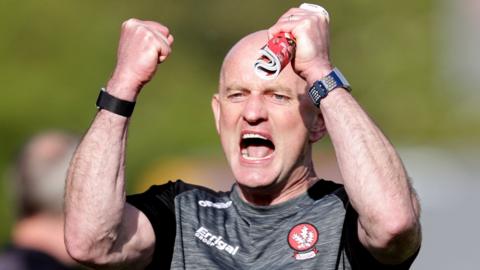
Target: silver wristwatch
{"type": "Point", "coordinates": [322, 87]}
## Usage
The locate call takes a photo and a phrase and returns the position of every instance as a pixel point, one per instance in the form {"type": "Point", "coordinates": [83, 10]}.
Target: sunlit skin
{"type": "Point", "coordinates": [278, 109]}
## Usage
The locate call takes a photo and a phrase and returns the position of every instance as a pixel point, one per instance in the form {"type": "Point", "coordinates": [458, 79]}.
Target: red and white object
{"type": "Point", "coordinates": [275, 56]}
{"type": "Point", "coordinates": [280, 49]}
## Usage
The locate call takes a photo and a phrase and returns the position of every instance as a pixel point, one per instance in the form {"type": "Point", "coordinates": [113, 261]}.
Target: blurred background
{"type": "Point", "coordinates": [413, 65]}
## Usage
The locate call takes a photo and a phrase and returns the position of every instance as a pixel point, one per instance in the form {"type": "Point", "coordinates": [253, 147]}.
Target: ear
{"type": "Point", "coordinates": [318, 129]}
{"type": "Point", "coordinates": [216, 111]}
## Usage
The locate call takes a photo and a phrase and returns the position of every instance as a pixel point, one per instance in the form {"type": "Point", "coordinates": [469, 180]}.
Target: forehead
{"type": "Point", "coordinates": [250, 81]}
{"type": "Point", "coordinates": [238, 67]}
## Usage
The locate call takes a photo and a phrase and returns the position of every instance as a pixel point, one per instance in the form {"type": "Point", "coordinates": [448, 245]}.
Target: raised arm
{"type": "Point", "coordinates": [102, 230]}
{"type": "Point", "coordinates": [374, 177]}
{"type": "Point", "coordinates": [375, 180]}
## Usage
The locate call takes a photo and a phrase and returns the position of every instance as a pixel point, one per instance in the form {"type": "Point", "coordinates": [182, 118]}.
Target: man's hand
{"type": "Point", "coordinates": [143, 45]}
{"type": "Point", "coordinates": [311, 32]}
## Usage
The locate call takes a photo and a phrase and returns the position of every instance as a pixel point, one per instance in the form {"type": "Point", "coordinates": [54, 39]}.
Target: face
{"type": "Point", "coordinates": [266, 127]}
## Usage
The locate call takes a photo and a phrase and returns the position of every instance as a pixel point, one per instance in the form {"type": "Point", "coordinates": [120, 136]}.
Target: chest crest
{"type": "Point", "coordinates": [302, 238]}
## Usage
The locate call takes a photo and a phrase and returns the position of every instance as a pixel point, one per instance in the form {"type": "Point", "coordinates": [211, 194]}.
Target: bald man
{"type": "Point", "coordinates": [278, 214]}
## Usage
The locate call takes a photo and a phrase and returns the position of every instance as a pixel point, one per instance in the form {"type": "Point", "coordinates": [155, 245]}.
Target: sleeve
{"type": "Point", "coordinates": [358, 255]}
{"type": "Point", "coordinates": [158, 204]}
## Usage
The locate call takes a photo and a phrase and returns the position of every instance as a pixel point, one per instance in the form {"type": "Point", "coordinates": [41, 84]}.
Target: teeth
{"type": "Point", "coordinates": [247, 157]}
{"type": "Point", "coordinates": [253, 135]}
{"type": "Point", "coordinates": [245, 153]}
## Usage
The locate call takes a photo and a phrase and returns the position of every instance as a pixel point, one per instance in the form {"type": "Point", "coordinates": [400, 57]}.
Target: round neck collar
{"type": "Point", "coordinates": [272, 212]}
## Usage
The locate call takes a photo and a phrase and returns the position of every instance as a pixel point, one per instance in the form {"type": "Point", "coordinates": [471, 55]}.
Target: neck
{"type": "Point", "coordinates": [300, 180]}
{"type": "Point", "coordinates": [42, 232]}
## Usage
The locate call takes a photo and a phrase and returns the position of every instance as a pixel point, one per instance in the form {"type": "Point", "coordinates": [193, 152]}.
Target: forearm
{"type": "Point", "coordinates": [373, 174]}
{"type": "Point", "coordinates": [101, 229]}
{"type": "Point", "coordinates": [95, 194]}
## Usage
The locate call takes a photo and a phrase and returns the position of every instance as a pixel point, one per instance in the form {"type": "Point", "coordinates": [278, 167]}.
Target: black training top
{"type": "Point", "coordinates": [197, 228]}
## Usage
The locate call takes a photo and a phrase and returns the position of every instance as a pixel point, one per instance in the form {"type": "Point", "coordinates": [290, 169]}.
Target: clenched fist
{"type": "Point", "coordinates": [311, 31]}
{"type": "Point", "coordinates": [143, 45]}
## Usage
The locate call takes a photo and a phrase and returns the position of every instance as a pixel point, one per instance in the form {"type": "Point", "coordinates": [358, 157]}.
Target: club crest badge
{"type": "Point", "coordinates": [302, 239]}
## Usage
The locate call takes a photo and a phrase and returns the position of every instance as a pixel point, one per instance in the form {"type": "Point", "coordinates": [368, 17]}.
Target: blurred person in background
{"type": "Point", "coordinates": [279, 214]}
{"type": "Point", "coordinates": [38, 180]}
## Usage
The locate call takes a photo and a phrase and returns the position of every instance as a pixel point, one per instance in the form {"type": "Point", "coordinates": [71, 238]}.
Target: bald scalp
{"type": "Point", "coordinates": [240, 59]}
{"type": "Point", "coordinates": [246, 48]}
{"type": "Point", "coordinates": [248, 45]}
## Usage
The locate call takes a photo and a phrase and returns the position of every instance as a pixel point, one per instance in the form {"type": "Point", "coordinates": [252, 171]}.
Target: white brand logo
{"type": "Point", "coordinates": [219, 205]}
{"type": "Point", "coordinates": [214, 240]}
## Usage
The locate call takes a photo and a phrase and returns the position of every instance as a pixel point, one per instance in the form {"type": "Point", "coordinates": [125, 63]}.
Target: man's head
{"type": "Point", "coordinates": [266, 127]}
{"type": "Point", "coordinates": [40, 172]}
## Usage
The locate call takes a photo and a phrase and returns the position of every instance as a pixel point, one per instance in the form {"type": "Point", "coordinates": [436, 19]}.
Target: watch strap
{"type": "Point", "coordinates": [118, 106]}
{"type": "Point", "coordinates": [322, 87]}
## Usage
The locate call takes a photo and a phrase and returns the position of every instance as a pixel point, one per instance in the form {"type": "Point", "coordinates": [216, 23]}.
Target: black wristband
{"type": "Point", "coordinates": [118, 106]}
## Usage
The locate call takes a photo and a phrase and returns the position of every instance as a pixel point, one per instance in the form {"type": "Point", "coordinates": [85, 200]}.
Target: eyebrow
{"type": "Point", "coordinates": [282, 89]}
{"type": "Point", "coordinates": [234, 87]}
{"type": "Point", "coordinates": [270, 88]}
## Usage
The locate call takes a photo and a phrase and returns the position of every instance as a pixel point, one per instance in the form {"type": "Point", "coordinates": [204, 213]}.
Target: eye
{"type": "Point", "coordinates": [279, 98]}
{"type": "Point", "coordinates": [236, 96]}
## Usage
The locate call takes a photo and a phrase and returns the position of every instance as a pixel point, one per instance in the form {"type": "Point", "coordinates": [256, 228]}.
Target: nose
{"type": "Point", "coordinates": [255, 111]}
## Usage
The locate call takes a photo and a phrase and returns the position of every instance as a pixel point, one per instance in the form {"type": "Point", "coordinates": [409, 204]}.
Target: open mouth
{"type": "Point", "coordinates": [254, 146]}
